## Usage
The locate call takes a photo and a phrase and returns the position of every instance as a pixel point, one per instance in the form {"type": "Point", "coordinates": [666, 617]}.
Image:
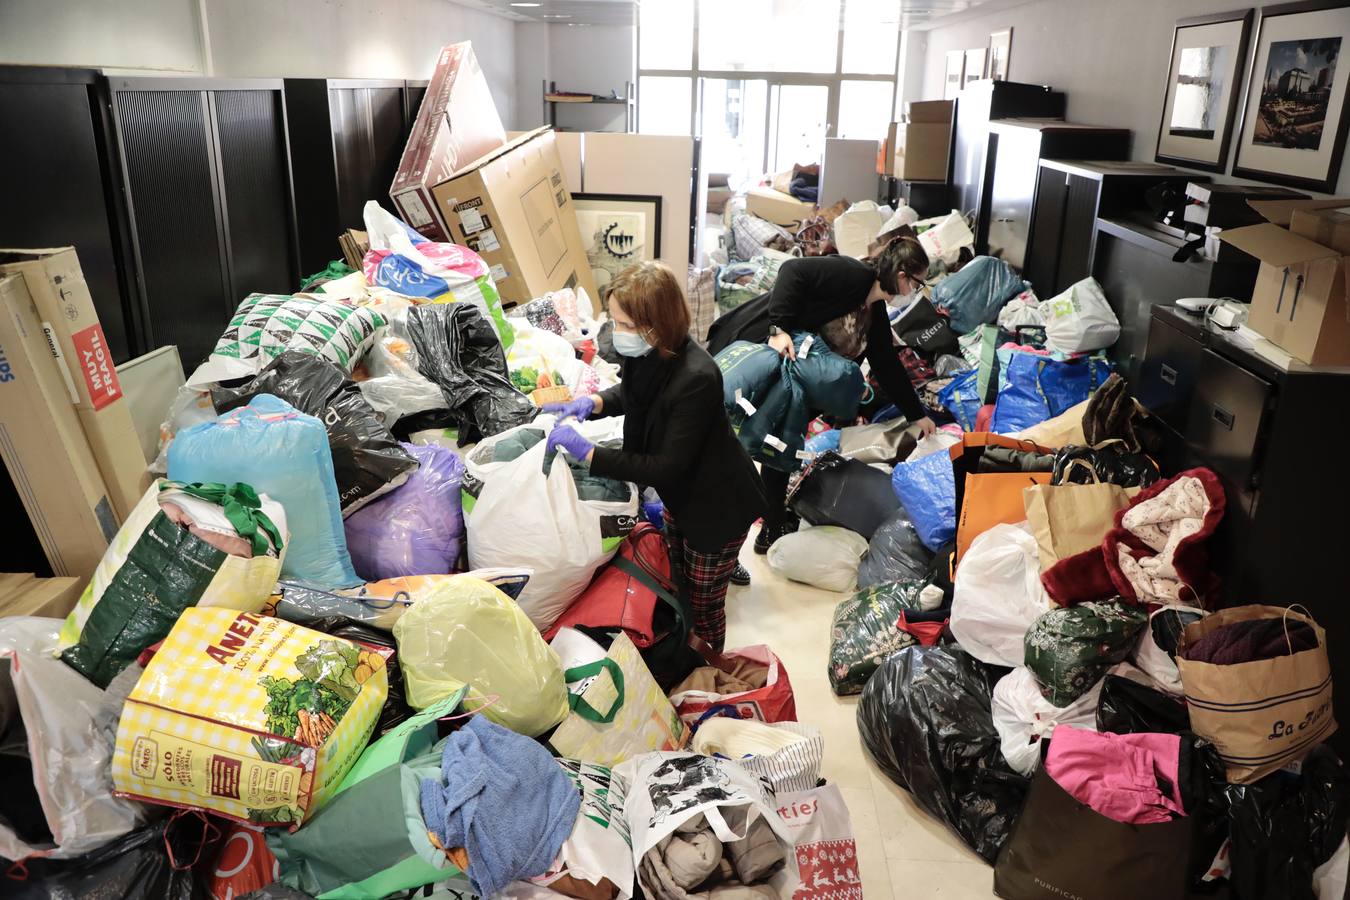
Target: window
{"type": "Point", "coordinates": [666, 34]}
{"type": "Point", "coordinates": [664, 105]}
{"type": "Point", "coordinates": [865, 109]}
{"type": "Point", "coordinates": [768, 35]}
{"type": "Point", "coordinates": [734, 125]}
{"type": "Point", "coordinates": [871, 34]}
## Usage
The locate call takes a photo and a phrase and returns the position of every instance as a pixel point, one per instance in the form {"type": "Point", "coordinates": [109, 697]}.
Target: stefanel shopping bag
{"type": "Point", "coordinates": [1062, 848]}
{"type": "Point", "coordinates": [1264, 714]}
{"type": "Point", "coordinates": [1067, 519]}
{"type": "Point", "coordinates": [621, 712]}
{"type": "Point", "coordinates": [770, 700]}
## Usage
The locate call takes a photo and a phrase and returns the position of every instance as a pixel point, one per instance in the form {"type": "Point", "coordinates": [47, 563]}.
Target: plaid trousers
{"type": "Point", "coordinates": [707, 575]}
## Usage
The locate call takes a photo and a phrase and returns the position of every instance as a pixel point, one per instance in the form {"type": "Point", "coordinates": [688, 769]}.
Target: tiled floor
{"type": "Point", "coordinates": [905, 853]}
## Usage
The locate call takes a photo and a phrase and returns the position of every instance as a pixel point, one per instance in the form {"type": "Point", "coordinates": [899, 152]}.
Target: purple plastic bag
{"type": "Point", "coordinates": [415, 529]}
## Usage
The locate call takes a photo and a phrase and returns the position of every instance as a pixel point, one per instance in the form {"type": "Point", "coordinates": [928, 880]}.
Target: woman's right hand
{"type": "Point", "coordinates": [580, 409]}
{"type": "Point", "coordinates": [782, 344]}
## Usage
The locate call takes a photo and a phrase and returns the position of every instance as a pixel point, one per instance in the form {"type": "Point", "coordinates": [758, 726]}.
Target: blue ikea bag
{"type": "Point", "coordinates": [1034, 388]}
{"type": "Point", "coordinates": [283, 453]}
{"type": "Point", "coordinates": [962, 398]}
{"type": "Point", "coordinates": [927, 490]}
{"type": "Point", "coordinates": [973, 296]}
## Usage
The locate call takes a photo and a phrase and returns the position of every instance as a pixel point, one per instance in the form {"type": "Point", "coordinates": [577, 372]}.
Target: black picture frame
{"type": "Point", "coordinates": [1236, 97]}
{"type": "Point", "coordinates": [1327, 183]}
{"type": "Point", "coordinates": [607, 264]}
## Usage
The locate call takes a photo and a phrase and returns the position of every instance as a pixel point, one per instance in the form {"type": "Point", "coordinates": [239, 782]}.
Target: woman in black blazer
{"type": "Point", "coordinates": [676, 438]}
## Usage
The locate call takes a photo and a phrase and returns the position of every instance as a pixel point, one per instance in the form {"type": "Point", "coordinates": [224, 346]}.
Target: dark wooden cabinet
{"type": "Point", "coordinates": [1070, 197]}
{"type": "Point", "coordinates": [1229, 408]}
{"type": "Point", "coordinates": [1016, 149]}
{"type": "Point", "coordinates": [209, 199]}
{"type": "Point", "coordinates": [346, 138]}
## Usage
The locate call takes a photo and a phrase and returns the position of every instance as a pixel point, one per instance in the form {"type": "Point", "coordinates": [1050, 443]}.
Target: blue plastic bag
{"type": "Point", "coordinates": [1035, 388]}
{"type": "Point", "coordinates": [284, 454]}
{"type": "Point", "coordinates": [962, 399]}
{"type": "Point", "coordinates": [973, 296]}
{"type": "Point", "coordinates": [927, 490]}
{"type": "Point", "coordinates": [826, 440]}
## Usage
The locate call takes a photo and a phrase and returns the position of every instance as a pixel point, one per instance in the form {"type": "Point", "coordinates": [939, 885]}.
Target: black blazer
{"type": "Point", "coordinates": [703, 474]}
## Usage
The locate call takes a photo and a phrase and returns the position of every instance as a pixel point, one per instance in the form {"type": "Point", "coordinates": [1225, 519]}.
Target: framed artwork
{"type": "Point", "coordinates": [1294, 124]}
{"type": "Point", "coordinates": [1000, 51]}
{"type": "Point", "coordinates": [974, 65]}
{"type": "Point", "coordinates": [618, 230]}
{"type": "Point", "coordinates": [956, 66]}
{"type": "Point", "coordinates": [1209, 56]}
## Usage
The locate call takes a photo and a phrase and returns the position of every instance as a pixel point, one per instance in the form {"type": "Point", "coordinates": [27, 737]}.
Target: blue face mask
{"type": "Point", "coordinates": [627, 344]}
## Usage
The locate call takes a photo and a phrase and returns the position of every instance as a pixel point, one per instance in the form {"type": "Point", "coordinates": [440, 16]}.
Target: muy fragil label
{"type": "Point", "coordinates": [96, 364]}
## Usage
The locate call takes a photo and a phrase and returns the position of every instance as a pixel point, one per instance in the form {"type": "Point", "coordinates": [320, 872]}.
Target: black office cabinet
{"type": "Point", "coordinates": [346, 139]}
{"type": "Point", "coordinates": [1016, 148]}
{"type": "Point", "coordinates": [1282, 539]}
{"type": "Point", "coordinates": [1070, 196]}
{"type": "Point", "coordinates": [209, 196]}
{"type": "Point", "coordinates": [61, 185]}
{"type": "Point", "coordinates": [980, 103]}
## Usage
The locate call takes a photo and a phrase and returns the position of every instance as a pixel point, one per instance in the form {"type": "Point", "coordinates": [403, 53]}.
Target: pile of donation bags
{"type": "Point", "coordinates": [333, 654]}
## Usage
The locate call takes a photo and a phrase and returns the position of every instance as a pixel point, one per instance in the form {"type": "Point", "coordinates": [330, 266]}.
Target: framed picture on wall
{"type": "Point", "coordinates": [956, 67]}
{"type": "Point", "coordinates": [974, 65]}
{"type": "Point", "coordinates": [1294, 125]}
{"type": "Point", "coordinates": [1204, 83]}
{"type": "Point", "coordinates": [618, 230]}
{"type": "Point", "coordinates": [1000, 52]}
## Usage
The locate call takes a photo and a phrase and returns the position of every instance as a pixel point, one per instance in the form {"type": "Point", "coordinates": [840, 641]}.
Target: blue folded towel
{"type": "Point", "coordinates": [504, 800]}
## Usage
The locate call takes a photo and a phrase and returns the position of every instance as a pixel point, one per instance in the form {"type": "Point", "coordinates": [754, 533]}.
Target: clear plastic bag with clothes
{"type": "Point", "coordinates": [468, 632]}
{"type": "Point", "coordinates": [394, 386]}
{"type": "Point", "coordinates": [64, 807]}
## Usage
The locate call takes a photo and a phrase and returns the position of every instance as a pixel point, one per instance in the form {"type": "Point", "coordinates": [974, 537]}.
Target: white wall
{"type": "Point", "coordinates": [258, 38]}
{"type": "Point", "coordinates": [593, 59]}
{"type": "Point", "coordinates": [1109, 57]}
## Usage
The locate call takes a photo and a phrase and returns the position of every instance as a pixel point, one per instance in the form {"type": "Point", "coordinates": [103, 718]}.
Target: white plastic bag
{"type": "Point", "coordinates": [1155, 661]}
{"type": "Point", "coordinates": [1329, 878]}
{"type": "Point", "coordinates": [946, 238]}
{"type": "Point", "coordinates": [825, 556]}
{"type": "Point", "coordinates": [598, 848]}
{"type": "Point", "coordinates": [998, 594]}
{"type": "Point", "coordinates": [905, 215]}
{"type": "Point", "coordinates": [856, 228]}
{"type": "Point", "coordinates": [1024, 309]}
{"type": "Point", "coordinates": [1080, 320]}
{"type": "Point", "coordinates": [1022, 717]}
{"type": "Point", "coordinates": [937, 442]}
{"type": "Point", "coordinates": [522, 517]}
{"type": "Point", "coordinates": [395, 387]}
{"type": "Point", "coordinates": [70, 753]}
{"type": "Point", "coordinates": [827, 856]}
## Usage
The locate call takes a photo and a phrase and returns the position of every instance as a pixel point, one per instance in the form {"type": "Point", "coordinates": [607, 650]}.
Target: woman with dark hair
{"type": "Point", "coordinates": [676, 438]}
{"type": "Point", "coordinates": [844, 301]}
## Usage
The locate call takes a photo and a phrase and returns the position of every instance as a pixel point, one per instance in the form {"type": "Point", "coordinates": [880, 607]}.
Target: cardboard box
{"type": "Point", "coordinates": [75, 336]}
{"type": "Point", "coordinates": [922, 151]}
{"type": "Point", "coordinates": [24, 594]}
{"type": "Point", "coordinates": [456, 124]}
{"type": "Point", "coordinates": [513, 208]}
{"type": "Point", "coordinates": [777, 207]}
{"type": "Point", "coordinates": [1299, 302]}
{"type": "Point", "coordinates": [930, 111]}
{"type": "Point", "coordinates": [44, 446]}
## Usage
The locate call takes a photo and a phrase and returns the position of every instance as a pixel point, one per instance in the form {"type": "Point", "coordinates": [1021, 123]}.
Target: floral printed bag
{"type": "Point", "coordinates": [1070, 649]}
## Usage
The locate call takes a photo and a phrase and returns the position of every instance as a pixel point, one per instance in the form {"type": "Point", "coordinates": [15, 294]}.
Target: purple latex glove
{"type": "Point", "coordinates": [566, 437]}
{"type": "Point", "coordinates": [579, 409]}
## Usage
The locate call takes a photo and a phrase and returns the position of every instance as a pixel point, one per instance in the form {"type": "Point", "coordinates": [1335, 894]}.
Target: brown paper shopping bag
{"type": "Point", "coordinates": [1264, 714]}
{"type": "Point", "coordinates": [1069, 518]}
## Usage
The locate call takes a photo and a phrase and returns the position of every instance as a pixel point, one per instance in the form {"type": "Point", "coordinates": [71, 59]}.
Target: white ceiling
{"type": "Point", "coordinates": [918, 14]}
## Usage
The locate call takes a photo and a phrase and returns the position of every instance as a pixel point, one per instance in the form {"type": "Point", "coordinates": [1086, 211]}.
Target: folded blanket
{"type": "Point", "coordinates": [1249, 641]}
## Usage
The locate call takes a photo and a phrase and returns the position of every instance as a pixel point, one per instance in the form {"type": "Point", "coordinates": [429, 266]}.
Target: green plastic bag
{"type": "Point", "coordinates": [863, 634]}
{"type": "Point", "coordinates": [1070, 649]}
{"type": "Point", "coordinates": [370, 840]}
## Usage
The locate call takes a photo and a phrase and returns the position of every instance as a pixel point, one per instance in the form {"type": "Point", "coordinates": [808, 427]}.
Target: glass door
{"type": "Point", "coordinates": [798, 124]}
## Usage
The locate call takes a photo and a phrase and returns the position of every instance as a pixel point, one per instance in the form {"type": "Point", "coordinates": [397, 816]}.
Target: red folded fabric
{"type": "Point", "coordinates": [927, 633]}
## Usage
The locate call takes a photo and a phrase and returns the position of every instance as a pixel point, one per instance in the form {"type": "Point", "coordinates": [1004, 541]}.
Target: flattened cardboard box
{"type": "Point", "coordinates": [44, 446]}
{"type": "Point", "coordinates": [513, 208]}
{"type": "Point", "coordinates": [778, 207]}
{"type": "Point", "coordinates": [456, 124]}
{"type": "Point", "coordinates": [27, 595]}
{"type": "Point", "coordinates": [57, 286]}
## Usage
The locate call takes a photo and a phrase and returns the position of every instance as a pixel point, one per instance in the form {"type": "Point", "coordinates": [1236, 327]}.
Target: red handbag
{"type": "Point", "coordinates": [773, 702]}
{"type": "Point", "coordinates": [625, 593]}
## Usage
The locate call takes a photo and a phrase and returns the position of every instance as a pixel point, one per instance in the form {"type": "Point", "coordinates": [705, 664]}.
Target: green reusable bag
{"type": "Point", "coordinates": [370, 840]}
{"type": "Point", "coordinates": [863, 634]}
{"type": "Point", "coordinates": [1070, 649]}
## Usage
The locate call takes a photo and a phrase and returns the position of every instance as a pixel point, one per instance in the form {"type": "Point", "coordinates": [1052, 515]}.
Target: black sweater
{"type": "Point", "coordinates": [814, 290]}
{"type": "Point", "coordinates": [690, 454]}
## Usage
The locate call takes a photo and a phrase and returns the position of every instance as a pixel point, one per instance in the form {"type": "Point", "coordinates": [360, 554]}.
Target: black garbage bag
{"type": "Point", "coordinates": [1285, 826]}
{"type": "Point", "coordinates": [154, 863]}
{"type": "Point", "coordinates": [844, 492]}
{"type": "Point", "coordinates": [367, 461]}
{"type": "Point", "coordinates": [1127, 707]}
{"type": "Point", "coordinates": [924, 716]}
{"type": "Point", "coordinates": [458, 350]}
{"type": "Point", "coordinates": [894, 553]}
{"type": "Point", "coordinates": [1111, 463]}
